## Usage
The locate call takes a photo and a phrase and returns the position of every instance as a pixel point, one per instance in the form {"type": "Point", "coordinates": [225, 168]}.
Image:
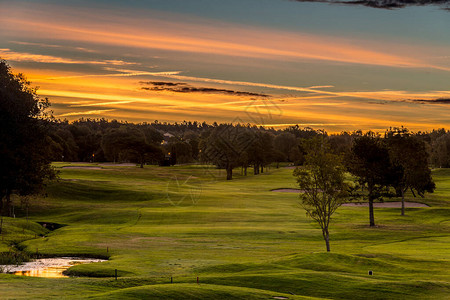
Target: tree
{"type": "Point", "coordinates": [409, 157]}
{"type": "Point", "coordinates": [369, 161]}
{"type": "Point", "coordinates": [223, 148]}
{"type": "Point", "coordinates": [284, 142]}
{"type": "Point", "coordinates": [130, 144]}
{"type": "Point", "coordinates": [441, 151]}
{"type": "Point", "coordinates": [321, 181]}
{"type": "Point", "coordinates": [24, 164]}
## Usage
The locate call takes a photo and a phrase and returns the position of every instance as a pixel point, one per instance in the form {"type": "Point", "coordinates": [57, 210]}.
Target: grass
{"type": "Point", "coordinates": [242, 240]}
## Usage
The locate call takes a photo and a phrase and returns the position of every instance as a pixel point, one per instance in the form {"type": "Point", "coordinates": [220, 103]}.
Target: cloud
{"type": "Point", "coordinates": [43, 45]}
{"type": "Point", "coordinates": [7, 54]}
{"type": "Point", "coordinates": [434, 101]}
{"type": "Point", "coordinates": [207, 37]}
{"type": "Point", "coordinates": [180, 87]}
{"type": "Point", "coordinates": [90, 112]}
{"type": "Point", "coordinates": [386, 4]}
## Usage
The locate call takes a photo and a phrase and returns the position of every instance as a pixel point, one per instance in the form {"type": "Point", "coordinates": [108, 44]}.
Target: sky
{"type": "Point", "coordinates": [272, 63]}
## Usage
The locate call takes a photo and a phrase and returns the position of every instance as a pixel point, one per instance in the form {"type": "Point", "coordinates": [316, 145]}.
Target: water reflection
{"type": "Point", "coordinates": [50, 272]}
{"type": "Point", "coordinates": [49, 267]}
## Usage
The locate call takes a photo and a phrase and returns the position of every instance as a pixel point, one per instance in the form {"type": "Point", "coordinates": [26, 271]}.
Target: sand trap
{"type": "Point", "coordinates": [48, 267]}
{"type": "Point", "coordinates": [287, 190]}
{"type": "Point", "coordinates": [82, 167]}
{"type": "Point", "coordinates": [118, 165]}
{"type": "Point", "coordinates": [387, 204]}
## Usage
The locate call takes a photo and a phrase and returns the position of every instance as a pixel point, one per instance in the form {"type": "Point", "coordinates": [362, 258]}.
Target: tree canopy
{"type": "Point", "coordinates": [322, 185]}
{"type": "Point", "coordinates": [25, 164]}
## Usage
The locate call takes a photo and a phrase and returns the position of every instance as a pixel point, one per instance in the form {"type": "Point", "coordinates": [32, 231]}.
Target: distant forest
{"type": "Point", "coordinates": [100, 140]}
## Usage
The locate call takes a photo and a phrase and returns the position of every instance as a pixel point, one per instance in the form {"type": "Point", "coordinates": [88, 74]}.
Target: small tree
{"type": "Point", "coordinates": [321, 181]}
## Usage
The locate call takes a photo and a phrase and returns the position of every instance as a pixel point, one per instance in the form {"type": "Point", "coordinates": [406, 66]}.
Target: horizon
{"type": "Point", "coordinates": [272, 63]}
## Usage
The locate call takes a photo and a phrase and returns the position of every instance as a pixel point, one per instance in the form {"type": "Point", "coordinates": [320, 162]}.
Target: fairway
{"type": "Point", "coordinates": [239, 238]}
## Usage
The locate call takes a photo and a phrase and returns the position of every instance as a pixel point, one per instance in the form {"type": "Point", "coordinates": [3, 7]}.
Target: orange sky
{"type": "Point", "coordinates": [94, 62]}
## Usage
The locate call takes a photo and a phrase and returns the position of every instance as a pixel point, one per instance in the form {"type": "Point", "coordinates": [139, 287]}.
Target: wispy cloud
{"type": "Point", "coordinates": [41, 58]}
{"type": "Point", "coordinates": [82, 113]}
{"type": "Point", "coordinates": [388, 95]}
{"type": "Point", "coordinates": [213, 39]}
{"type": "Point", "coordinates": [122, 73]}
{"type": "Point", "coordinates": [43, 45]}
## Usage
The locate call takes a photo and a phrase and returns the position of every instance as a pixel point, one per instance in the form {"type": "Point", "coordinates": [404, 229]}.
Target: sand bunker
{"type": "Point", "coordinates": [287, 190]}
{"type": "Point", "coordinates": [118, 165]}
{"type": "Point", "coordinates": [387, 204]}
{"type": "Point", "coordinates": [82, 167]}
{"type": "Point", "coordinates": [48, 267]}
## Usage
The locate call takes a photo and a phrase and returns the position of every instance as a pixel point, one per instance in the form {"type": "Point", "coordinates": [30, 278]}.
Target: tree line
{"type": "Point", "coordinates": [226, 145]}
{"type": "Point", "coordinates": [31, 139]}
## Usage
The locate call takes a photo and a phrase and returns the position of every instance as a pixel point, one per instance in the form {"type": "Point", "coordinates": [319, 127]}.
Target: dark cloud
{"type": "Point", "coordinates": [163, 83]}
{"type": "Point", "coordinates": [434, 101]}
{"type": "Point", "coordinates": [180, 87]}
{"type": "Point", "coordinates": [386, 4]}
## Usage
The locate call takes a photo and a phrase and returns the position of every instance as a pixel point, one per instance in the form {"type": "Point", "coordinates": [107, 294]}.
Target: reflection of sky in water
{"type": "Point", "coordinates": [50, 272]}
{"type": "Point", "coordinates": [48, 267]}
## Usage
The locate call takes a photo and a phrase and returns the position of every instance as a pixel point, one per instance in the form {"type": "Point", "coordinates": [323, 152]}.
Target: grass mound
{"type": "Point", "coordinates": [193, 291]}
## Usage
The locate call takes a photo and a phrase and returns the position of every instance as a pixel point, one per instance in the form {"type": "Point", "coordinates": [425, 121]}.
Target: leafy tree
{"type": "Point", "coordinates": [223, 148]}
{"type": "Point", "coordinates": [409, 156]}
{"type": "Point", "coordinates": [321, 181]}
{"type": "Point", "coordinates": [24, 164]}
{"type": "Point", "coordinates": [441, 151]}
{"type": "Point", "coordinates": [130, 144]}
{"type": "Point", "coordinates": [284, 142]}
{"type": "Point", "coordinates": [369, 161]}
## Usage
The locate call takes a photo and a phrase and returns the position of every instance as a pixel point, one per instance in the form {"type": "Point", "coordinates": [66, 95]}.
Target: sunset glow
{"type": "Point", "coordinates": [349, 73]}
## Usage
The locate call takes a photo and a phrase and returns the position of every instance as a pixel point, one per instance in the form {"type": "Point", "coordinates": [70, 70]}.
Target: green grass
{"type": "Point", "coordinates": [242, 240]}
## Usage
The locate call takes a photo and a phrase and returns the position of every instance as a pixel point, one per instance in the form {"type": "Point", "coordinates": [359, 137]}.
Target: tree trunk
{"type": "Point", "coordinates": [8, 206]}
{"type": "Point", "coordinates": [403, 202]}
{"type": "Point", "coordinates": [371, 214]}
{"type": "Point", "coordinates": [255, 169]}
{"type": "Point", "coordinates": [326, 237]}
{"type": "Point", "coordinates": [229, 173]}
{"type": "Point", "coordinates": [278, 164]}
{"type": "Point", "coordinates": [262, 169]}
{"type": "Point", "coordinates": [245, 171]}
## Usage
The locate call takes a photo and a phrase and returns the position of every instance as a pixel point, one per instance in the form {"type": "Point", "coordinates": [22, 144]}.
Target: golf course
{"type": "Point", "coordinates": [185, 232]}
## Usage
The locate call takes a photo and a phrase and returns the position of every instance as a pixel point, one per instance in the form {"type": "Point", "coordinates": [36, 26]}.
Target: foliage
{"type": "Point", "coordinates": [322, 185]}
{"type": "Point", "coordinates": [409, 157]}
{"type": "Point", "coordinates": [369, 161]}
{"type": "Point", "coordinates": [25, 164]}
{"type": "Point", "coordinates": [129, 144]}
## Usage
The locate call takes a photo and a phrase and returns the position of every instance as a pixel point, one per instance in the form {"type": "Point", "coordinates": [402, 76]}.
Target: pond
{"type": "Point", "coordinates": [48, 267]}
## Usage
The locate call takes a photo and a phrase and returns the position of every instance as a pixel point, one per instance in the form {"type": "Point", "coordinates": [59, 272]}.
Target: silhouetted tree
{"type": "Point", "coordinates": [24, 163]}
{"type": "Point", "coordinates": [130, 144]}
{"type": "Point", "coordinates": [369, 161]}
{"type": "Point", "coordinates": [223, 148]}
{"type": "Point", "coordinates": [410, 160]}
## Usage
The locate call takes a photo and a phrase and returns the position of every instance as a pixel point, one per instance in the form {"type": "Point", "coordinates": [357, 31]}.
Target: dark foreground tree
{"type": "Point", "coordinates": [24, 163]}
{"type": "Point", "coordinates": [409, 157]}
{"type": "Point", "coordinates": [322, 185]}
